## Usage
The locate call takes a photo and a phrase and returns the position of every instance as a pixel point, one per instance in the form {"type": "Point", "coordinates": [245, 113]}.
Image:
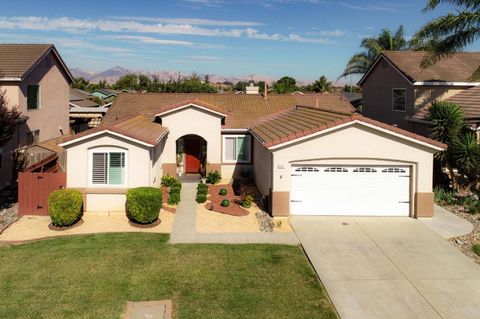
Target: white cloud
{"type": "Point", "coordinates": [370, 7]}
{"type": "Point", "coordinates": [152, 40]}
{"type": "Point", "coordinates": [328, 33]}
{"type": "Point", "coordinates": [193, 21]}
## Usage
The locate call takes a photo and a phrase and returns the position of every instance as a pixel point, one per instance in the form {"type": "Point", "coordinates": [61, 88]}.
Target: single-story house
{"type": "Point", "coordinates": [84, 112]}
{"type": "Point", "coordinates": [308, 154]}
{"type": "Point", "coordinates": [105, 94]}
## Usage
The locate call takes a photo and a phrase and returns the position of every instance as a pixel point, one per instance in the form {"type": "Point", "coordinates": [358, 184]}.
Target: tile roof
{"type": "Point", "coordinates": [83, 103]}
{"type": "Point", "coordinates": [303, 121]}
{"type": "Point", "coordinates": [456, 68]}
{"type": "Point", "coordinates": [136, 127]}
{"type": "Point", "coordinates": [243, 110]}
{"type": "Point", "coordinates": [77, 95]}
{"type": "Point", "coordinates": [16, 60]}
{"type": "Point", "coordinates": [468, 100]}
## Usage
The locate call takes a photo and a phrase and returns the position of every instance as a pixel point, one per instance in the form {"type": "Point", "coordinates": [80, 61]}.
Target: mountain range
{"type": "Point", "coordinates": [113, 74]}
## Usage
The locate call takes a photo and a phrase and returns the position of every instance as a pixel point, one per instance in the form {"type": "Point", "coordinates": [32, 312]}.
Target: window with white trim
{"type": "Point", "coordinates": [394, 170]}
{"type": "Point", "coordinates": [236, 148]}
{"type": "Point", "coordinates": [336, 170]}
{"type": "Point", "coordinates": [307, 169]}
{"type": "Point", "coordinates": [364, 170]}
{"type": "Point", "coordinates": [399, 100]}
{"type": "Point", "coordinates": [107, 167]}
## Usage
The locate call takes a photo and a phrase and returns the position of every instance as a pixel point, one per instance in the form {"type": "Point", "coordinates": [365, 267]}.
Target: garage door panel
{"type": "Point", "coordinates": [360, 191]}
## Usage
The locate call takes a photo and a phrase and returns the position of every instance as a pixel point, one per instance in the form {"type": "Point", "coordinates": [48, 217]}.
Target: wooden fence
{"type": "Point", "coordinates": [36, 183]}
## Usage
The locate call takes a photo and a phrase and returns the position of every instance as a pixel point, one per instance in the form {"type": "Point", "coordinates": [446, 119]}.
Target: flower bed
{"type": "Point", "coordinates": [214, 201]}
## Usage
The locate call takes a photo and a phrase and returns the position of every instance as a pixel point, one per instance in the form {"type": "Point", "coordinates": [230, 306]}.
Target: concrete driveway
{"type": "Point", "coordinates": [389, 268]}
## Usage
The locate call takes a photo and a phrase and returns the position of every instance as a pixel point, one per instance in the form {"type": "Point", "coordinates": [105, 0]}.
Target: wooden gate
{"type": "Point", "coordinates": [36, 183]}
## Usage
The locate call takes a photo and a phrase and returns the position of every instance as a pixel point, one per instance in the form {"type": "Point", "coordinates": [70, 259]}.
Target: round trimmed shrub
{"type": "Point", "coordinates": [225, 203]}
{"type": "Point", "coordinates": [173, 199]}
{"type": "Point", "coordinates": [202, 186]}
{"type": "Point", "coordinates": [65, 207]}
{"type": "Point", "coordinates": [202, 191]}
{"type": "Point", "coordinates": [201, 198]}
{"type": "Point", "coordinates": [223, 192]}
{"type": "Point", "coordinates": [144, 204]}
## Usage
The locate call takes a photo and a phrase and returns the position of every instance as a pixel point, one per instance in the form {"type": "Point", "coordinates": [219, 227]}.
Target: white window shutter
{"type": "Point", "coordinates": [99, 168]}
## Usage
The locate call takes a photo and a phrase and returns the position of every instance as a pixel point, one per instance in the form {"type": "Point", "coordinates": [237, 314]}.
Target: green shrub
{"type": "Point", "coordinates": [144, 204]}
{"type": "Point", "coordinates": [202, 186]}
{"type": "Point", "coordinates": [173, 199]}
{"type": "Point", "coordinates": [201, 198]}
{"type": "Point", "coordinates": [225, 203]}
{"type": "Point", "coordinates": [202, 191]}
{"type": "Point", "coordinates": [168, 181]}
{"type": "Point", "coordinates": [471, 204]}
{"type": "Point", "coordinates": [175, 189]}
{"type": "Point", "coordinates": [246, 200]}
{"type": "Point", "coordinates": [65, 207]}
{"type": "Point", "coordinates": [177, 183]}
{"type": "Point", "coordinates": [476, 249]}
{"type": "Point", "coordinates": [444, 197]}
{"type": "Point", "coordinates": [213, 177]}
{"type": "Point", "coordinates": [223, 191]}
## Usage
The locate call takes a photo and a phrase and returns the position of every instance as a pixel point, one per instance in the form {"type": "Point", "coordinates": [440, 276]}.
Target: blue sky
{"type": "Point", "coordinates": [300, 38]}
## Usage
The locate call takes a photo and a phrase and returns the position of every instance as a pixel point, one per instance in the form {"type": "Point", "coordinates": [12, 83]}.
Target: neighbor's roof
{"type": "Point", "coordinates": [77, 95]}
{"type": "Point", "coordinates": [138, 128]}
{"type": "Point", "coordinates": [243, 110]}
{"type": "Point", "coordinates": [303, 121]}
{"type": "Point", "coordinates": [468, 100]}
{"type": "Point", "coordinates": [84, 103]}
{"type": "Point", "coordinates": [83, 109]}
{"type": "Point", "coordinates": [456, 68]}
{"type": "Point", "coordinates": [107, 92]}
{"type": "Point", "coordinates": [17, 60]}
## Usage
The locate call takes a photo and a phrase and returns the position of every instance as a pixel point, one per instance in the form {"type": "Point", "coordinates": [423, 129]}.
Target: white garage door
{"type": "Point", "coordinates": [350, 190]}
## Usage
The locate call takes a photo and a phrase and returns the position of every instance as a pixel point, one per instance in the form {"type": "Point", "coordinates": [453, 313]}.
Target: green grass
{"type": "Point", "coordinates": [476, 249]}
{"type": "Point", "coordinates": [93, 277]}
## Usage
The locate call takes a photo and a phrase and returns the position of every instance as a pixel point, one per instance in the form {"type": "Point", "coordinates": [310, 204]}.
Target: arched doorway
{"type": "Point", "coordinates": [191, 154]}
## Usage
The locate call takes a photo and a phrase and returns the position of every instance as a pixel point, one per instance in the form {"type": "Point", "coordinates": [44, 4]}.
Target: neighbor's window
{"type": "Point", "coordinates": [108, 167]}
{"type": "Point", "coordinates": [33, 97]}
{"type": "Point", "coordinates": [399, 100]}
{"type": "Point", "coordinates": [33, 137]}
{"type": "Point", "coordinates": [236, 148]}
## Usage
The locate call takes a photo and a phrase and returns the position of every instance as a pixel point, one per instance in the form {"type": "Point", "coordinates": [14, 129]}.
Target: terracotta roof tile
{"type": "Point", "coordinates": [136, 127]}
{"type": "Point", "coordinates": [273, 130]}
{"type": "Point", "coordinates": [243, 110]}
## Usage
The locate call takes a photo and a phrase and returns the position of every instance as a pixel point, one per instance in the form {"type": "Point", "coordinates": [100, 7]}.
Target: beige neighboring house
{"type": "Point", "coordinates": [308, 154]}
{"type": "Point", "coordinates": [36, 80]}
{"type": "Point", "coordinates": [397, 91]}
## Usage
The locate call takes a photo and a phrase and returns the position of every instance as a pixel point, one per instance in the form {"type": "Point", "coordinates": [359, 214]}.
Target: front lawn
{"type": "Point", "coordinates": [93, 276]}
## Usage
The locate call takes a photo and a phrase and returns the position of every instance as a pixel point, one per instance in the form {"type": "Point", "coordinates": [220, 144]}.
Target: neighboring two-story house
{"type": "Point", "coordinates": [36, 80]}
{"type": "Point", "coordinates": [397, 91]}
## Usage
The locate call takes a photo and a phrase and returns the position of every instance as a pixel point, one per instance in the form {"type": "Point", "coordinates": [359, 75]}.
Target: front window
{"type": "Point", "coordinates": [33, 97]}
{"type": "Point", "coordinates": [399, 100]}
{"type": "Point", "coordinates": [236, 148]}
{"type": "Point", "coordinates": [108, 168]}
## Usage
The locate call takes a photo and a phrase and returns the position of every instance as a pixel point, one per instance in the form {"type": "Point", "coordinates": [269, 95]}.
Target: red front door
{"type": "Point", "coordinates": [193, 149]}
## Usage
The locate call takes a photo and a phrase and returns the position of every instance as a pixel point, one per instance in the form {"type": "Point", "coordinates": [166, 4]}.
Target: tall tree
{"type": "Point", "coordinates": [386, 40]}
{"type": "Point", "coordinates": [453, 31]}
{"type": "Point", "coordinates": [127, 82]}
{"type": "Point", "coordinates": [322, 85]}
{"type": "Point", "coordinates": [8, 120]}
{"type": "Point", "coordinates": [80, 83]}
{"type": "Point", "coordinates": [285, 84]}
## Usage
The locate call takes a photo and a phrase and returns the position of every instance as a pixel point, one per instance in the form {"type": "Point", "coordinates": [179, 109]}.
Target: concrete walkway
{"type": "Point", "coordinates": [389, 268]}
{"type": "Point", "coordinates": [447, 224]}
{"type": "Point", "coordinates": [184, 228]}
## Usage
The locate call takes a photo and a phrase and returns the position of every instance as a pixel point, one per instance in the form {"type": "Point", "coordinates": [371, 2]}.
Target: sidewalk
{"type": "Point", "coordinates": [447, 224]}
{"type": "Point", "coordinates": [184, 228]}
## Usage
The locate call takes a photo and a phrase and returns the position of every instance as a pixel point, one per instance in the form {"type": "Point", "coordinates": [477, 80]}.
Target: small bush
{"type": "Point", "coordinates": [144, 204]}
{"type": "Point", "coordinates": [201, 198]}
{"type": "Point", "coordinates": [202, 186]}
{"type": "Point", "coordinates": [471, 204]}
{"type": "Point", "coordinates": [225, 203]}
{"type": "Point", "coordinates": [168, 181]}
{"type": "Point", "coordinates": [202, 191]}
{"type": "Point", "coordinates": [476, 249]}
{"type": "Point", "coordinates": [246, 200]}
{"type": "Point", "coordinates": [444, 197]}
{"type": "Point", "coordinates": [173, 199]}
{"type": "Point", "coordinates": [213, 177]}
{"type": "Point", "coordinates": [223, 192]}
{"type": "Point", "coordinates": [175, 189]}
{"type": "Point", "coordinates": [65, 207]}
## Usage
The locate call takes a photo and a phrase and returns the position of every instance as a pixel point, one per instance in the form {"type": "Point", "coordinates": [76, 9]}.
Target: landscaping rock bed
{"type": "Point", "coordinates": [265, 222]}
{"type": "Point", "coordinates": [215, 199]}
{"type": "Point", "coordinates": [8, 215]}
{"type": "Point", "coordinates": [465, 243]}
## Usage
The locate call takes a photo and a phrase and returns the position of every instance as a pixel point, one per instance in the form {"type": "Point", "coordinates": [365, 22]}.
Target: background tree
{"type": "Point", "coordinates": [285, 85]}
{"type": "Point", "coordinates": [322, 85]}
{"type": "Point", "coordinates": [143, 82]}
{"type": "Point", "coordinates": [80, 83]}
{"type": "Point", "coordinates": [452, 32]}
{"type": "Point", "coordinates": [127, 82]}
{"type": "Point", "coordinates": [8, 120]}
{"type": "Point", "coordinates": [386, 40]}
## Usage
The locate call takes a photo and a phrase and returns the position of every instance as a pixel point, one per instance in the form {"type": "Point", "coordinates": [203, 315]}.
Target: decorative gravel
{"type": "Point", "coordinates": [265, 222]}
{"type": "Point", "coordinates": [8, 216]}
{"type": "Point", "coordinates": [465, 243]}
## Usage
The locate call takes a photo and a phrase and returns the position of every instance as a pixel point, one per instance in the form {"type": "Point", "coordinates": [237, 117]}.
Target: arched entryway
{"type": "Point", "coordinates": [191, 154]}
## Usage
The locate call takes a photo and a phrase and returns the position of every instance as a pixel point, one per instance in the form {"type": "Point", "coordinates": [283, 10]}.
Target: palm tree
{"type": "Point", "coordinates": [466, 154]}
{"type": "Point", "coordinates": [361, 62]}
{"type": "Point", "coordinates": [322, 85]}
{"type": "Point", "coordinates": [447, 122]}
{"type": "Point", "coordinates": [454, 31]}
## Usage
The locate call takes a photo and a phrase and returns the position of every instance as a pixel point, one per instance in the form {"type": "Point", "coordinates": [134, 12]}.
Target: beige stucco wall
{"type": "Point", "coordinates": [262, 167]}
{"type": "Point", "coordinates": [354, 144]}
{"type": "Point", "coordinates": [105, 202]}
{"type": "Point", "coordinates": [193, 121]}
{"type": "Point", "coordinates": [139, 165]}
{"type": "Point", "coordinates": [424, 95]}
{"type": "Point", "coordinates": [230, 171]}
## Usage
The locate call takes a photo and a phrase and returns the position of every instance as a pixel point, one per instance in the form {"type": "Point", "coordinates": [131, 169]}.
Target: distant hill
{"type": "Point", "coordinates": [113, 74]}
